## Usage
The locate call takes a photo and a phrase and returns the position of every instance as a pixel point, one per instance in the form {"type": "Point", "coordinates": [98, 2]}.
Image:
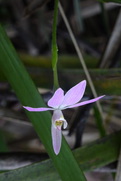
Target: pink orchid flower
{"type": "Point", "coordinates": [59, 102]}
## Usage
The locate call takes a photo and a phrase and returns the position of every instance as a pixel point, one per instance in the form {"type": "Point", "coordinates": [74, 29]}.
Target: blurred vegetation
{"type": "Point", "coordinates": [96, 26]}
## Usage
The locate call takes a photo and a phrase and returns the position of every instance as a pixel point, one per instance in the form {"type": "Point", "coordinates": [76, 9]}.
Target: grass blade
{"type": "Point", "coordinates": [19, 79]}
{"type": "Point", "coordinates": [94, 155]}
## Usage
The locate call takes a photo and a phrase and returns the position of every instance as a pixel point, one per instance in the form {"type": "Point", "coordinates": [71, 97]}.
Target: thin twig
{"type": "Point", "coordinates": [113, 44]}
{"type": "Point", "coordinates": [13, 120]}
{"type": "Point", "coordinates": [118, 173]}
{"type": "Point", "coordinates": [80, 57]}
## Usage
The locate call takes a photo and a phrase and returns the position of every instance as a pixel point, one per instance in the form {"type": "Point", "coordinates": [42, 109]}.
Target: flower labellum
{"type": "Point", "coordinates": [59, 102]}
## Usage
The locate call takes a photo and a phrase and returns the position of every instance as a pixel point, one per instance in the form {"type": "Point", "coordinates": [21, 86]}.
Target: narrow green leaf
{"type": "Point", "coordinates": [106, 81]}
{"type": "Point", "coordinates": [19, 79]}
{"type": "Point", "coordinates": [94, 155]}
{"type": "Point", "coordinates": [99, 122]}
{"type": "Point", "coordinates": [65, 61]}
{"type": "Point", "coordinates": [115, 1]}
{"type": "Point", "coordinates": [105, 19]}
{"type": "Point", "coordinates": [3, 145]}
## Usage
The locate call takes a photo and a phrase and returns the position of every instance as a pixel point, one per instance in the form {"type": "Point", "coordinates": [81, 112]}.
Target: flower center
{"type": "Point", "coordinates": [58, 123]}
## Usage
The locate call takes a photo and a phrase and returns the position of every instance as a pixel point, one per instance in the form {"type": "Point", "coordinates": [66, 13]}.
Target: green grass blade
{"type": "Point", "coordinates": [115, 1]}
{"type": "Point", "coordinates": [28, 95]}
{"type": "Point", "coordinates": [3, 145]}
{"type": "Point", "coordinates": [99, 122]}
{"type": "Point", "coordinates": [94, 155]}
{"type": "Point", "coordinates": [106, 81]}
{"type": "Point", "coordinates": [64, 61]}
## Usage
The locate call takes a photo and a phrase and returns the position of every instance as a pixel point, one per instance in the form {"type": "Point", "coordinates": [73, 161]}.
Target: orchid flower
{"type": "Point", "coordinates": [59, 102]}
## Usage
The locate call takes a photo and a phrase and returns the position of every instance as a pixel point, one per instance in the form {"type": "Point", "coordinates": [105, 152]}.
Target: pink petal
{"type": "Point", "coordinates": [74, 95]}
{"type": "Point", "coordinates": [85, 102]}
{"type": "Point", "coordinates": [56, 139]}
{"type": "Point", "coordinates": [37, 109]}
{"type": "Point", "coordinates": [56, 99]}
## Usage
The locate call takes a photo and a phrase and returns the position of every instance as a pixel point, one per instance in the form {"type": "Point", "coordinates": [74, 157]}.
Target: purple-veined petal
{"type": "Point", "coordinates": [56, 139]}
{"type": "Point", "coordinates": [31, 109]}
{"type": "Point", "coordinates": [85, 102]}
{"type": "Point", "coordinates": [74, 95]}
{"type": "Point", "coordinates": [56, 99]}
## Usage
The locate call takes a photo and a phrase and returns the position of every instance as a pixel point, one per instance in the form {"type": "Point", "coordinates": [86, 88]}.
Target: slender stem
{"type": "Point", "coordinates": [118, 173]}
{"type": "Point", "coordinates": [81, 58]}
{"type": "Point", "coordinates": [105, 18]}
{"type": "Point", "coordinates": [54, 46]}
{"type": "Point", "coordinates": [99, 122]}
{"type": "Point", "coordinates": [78, 14]}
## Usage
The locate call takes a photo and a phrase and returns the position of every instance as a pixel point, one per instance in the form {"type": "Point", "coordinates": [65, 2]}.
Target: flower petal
{"type": "Point", "coordinates": [65, 124]}
{"type": "Point", "coordinates": [36, 109]}
{"type": "Point", "coordinates": [74, 95]}
{"type": "Point", "coordinates": [57, 115]}
{"type": "Point", "coordinates": [56, 99]}
{"type": "Point", "coordinates": [56, 139]}
{"type": "Point", "coordinates": [85, 102]}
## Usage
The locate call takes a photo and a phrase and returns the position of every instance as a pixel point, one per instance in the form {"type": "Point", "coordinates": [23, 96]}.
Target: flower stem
{"type": "Point", "coordinates": [54, 46]}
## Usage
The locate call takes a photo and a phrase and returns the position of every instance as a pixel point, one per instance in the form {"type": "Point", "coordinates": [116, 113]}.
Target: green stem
{"type": "Point", "coordinates": [56, 84]}
{"type": "Point", "coordinates": [54, 46]}
{"type": "Point", "coordinates": [99, 122]}
{"type": "Point", "coordinates": [105, 18]}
